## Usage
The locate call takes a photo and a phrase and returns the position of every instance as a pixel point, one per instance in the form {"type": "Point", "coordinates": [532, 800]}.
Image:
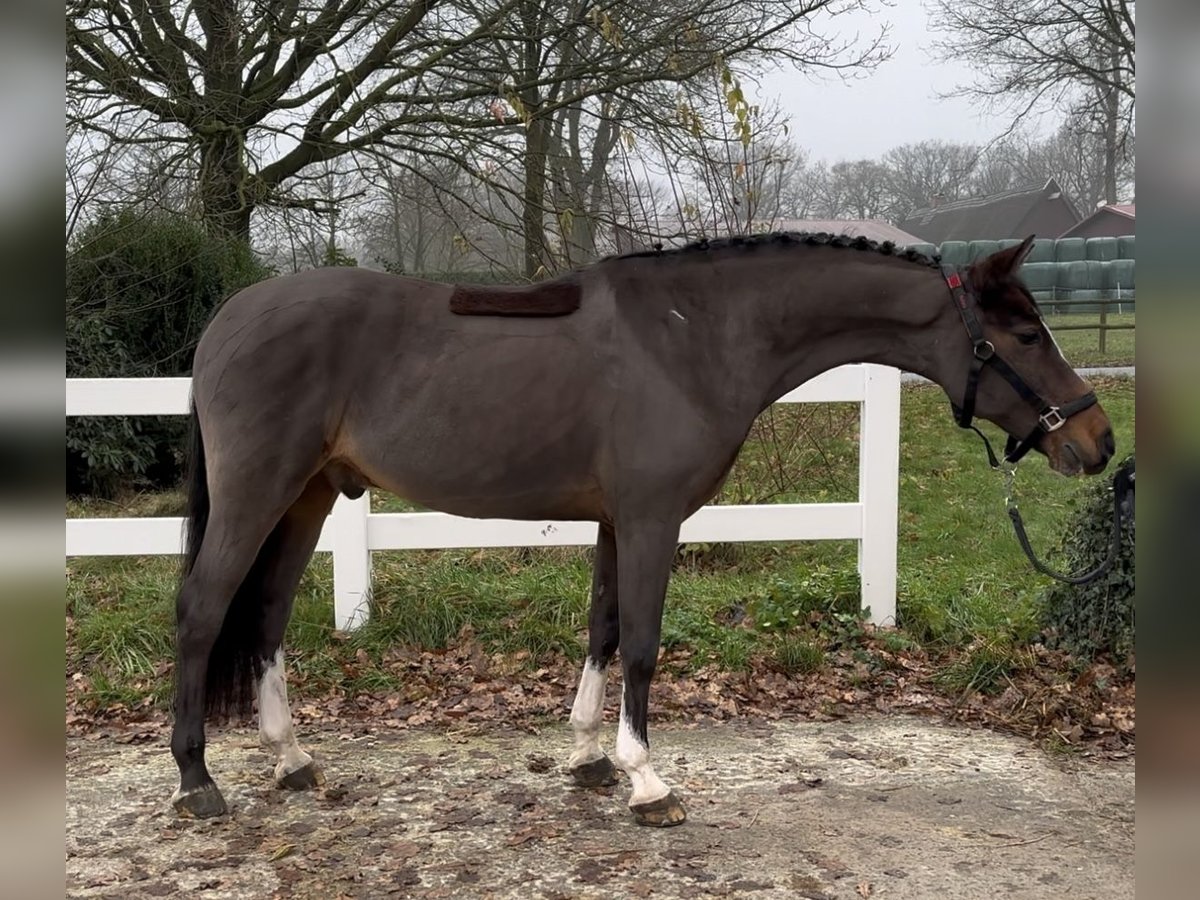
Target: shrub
{"type": "Point", "coordinates": [823, 596]}
{"type": "Point", "coordinates": [1098, 617]}
{"type": "Point", "coordinates": [140, 287]}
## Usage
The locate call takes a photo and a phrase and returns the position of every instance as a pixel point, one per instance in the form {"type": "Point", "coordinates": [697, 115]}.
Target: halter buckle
{"type": "Point", "coordinates": [1052, 420]}
{"type": "Point", "coordinates": [984, 350]}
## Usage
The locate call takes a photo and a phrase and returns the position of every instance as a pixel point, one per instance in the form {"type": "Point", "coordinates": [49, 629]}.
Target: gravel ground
{"type": "Point", "coordinates": [896, 807]}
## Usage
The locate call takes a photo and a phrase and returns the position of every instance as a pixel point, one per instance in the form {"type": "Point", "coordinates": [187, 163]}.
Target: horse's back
{"type": "Point", "coordinates": [280, 358]}
{"type": "Point", "coordinates": [325, 304]}
{"type": "Point", "coordinates": [478, 415]}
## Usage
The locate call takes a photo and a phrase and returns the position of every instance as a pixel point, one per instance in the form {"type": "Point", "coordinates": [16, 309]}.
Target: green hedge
{"type": "Point", "coordinates": [1097, 618]}
{"type": "Point", "coordinates": [140, 286]}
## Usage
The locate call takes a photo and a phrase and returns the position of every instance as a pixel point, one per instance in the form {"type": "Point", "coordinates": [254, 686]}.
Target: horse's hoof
{"type": "Point", "coordinates": [596, 774]}
{"type": "Point", "coordinates": [661, 813]}
{"type": "Point", "coordinates": [203, 802]}
{"type": "Point", "coordinates": [305, 778]}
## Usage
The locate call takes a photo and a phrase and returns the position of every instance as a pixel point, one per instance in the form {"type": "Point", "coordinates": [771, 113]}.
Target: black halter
{"type": "Point", "coordinates": [1050, 417]}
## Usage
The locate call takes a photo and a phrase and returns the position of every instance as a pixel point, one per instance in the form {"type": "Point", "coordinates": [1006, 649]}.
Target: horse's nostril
{"type": "Point", "coordinates": [1108, 444]}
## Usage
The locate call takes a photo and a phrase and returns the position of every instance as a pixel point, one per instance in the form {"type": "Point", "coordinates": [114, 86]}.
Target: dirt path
{"type": "Point", "coordinates": [890, 808]}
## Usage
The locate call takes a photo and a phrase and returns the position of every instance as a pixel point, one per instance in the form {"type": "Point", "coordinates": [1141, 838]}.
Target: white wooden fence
{"type": "Point", "coordinates": [353, 531]}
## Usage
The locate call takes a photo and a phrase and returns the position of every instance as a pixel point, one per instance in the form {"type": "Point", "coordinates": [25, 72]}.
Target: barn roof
{"type": "Point", "coordinates": [993, 217]}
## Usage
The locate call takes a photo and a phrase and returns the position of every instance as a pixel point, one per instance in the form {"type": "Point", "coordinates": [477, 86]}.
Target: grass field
{"type": "Point", "coordinates": [963, 579]}
{"type": "Point", "coordinates": [1082, 348]}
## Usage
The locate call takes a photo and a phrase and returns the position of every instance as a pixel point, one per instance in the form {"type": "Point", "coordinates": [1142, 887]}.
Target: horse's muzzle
{"type": "Point", "coordinates": [1082, 453]}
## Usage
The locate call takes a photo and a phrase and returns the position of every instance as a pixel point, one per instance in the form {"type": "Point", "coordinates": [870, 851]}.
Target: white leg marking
{"type": "Point", "coordinates": [586, 714]}
{"type": "Point", "coordinates": [634, 757]}
{"type": "Point", "coordinates": [275, 719]}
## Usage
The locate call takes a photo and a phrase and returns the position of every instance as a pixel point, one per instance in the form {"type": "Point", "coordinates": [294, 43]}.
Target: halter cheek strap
{"type": "Point", "coordinates": [1050, 417]}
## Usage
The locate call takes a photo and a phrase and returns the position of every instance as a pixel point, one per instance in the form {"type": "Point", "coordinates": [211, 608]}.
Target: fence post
{"type": "Point", "coordinates": [1103, 324]}
{"type": "Point", "coordinates": [879, 491]}
{"type": "Point", "coordinates": [351, 562]}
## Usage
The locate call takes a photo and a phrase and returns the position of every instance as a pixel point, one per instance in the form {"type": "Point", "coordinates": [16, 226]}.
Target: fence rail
{"type": "Point", "coordinates": [352, 531]}
{"type": "Point", "coordinates": [1103, 325]}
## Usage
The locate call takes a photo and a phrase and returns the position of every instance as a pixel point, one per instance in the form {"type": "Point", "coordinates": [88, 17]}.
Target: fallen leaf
{"type": "Point", "coordinates": [282, 851]}
{"type": "Point", "coordinates": [404, 850]}
{"type": "Point", "coordinates": [539, 763]}
{"type": "Point", "coordinates": [523, 836]}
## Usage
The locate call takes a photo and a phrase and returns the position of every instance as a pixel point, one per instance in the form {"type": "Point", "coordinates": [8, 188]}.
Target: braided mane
{"type": "Point", "coordinates": [784, 239]}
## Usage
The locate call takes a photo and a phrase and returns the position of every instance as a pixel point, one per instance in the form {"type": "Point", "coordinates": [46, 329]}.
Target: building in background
{"type": "Point", "coordinates": [1042, 211]}
{"type": "Point", "coordinates": [1107, 221]}
{"type": "Point", "coordinates": [874, 229]}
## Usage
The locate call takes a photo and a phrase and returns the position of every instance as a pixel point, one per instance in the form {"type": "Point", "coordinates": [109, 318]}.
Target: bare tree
{"type": "Point", "coordinates": [291, 237]}
{"type": "Point", "coordinates": [797, 196]}
{"type": "Point", "coordinates": [412, 219]}
{"type": "Point", "coordinates": [258, 91]}
{"type": "Point", "coordinates": [925, 170]}
{"type": "Point", "coordinates": [602, 75]}
{"type": "Point", "coordinates": [1002, 167]}
{"type": "Point", "coordinates": [862, 189]}
{"type": "Point", "coordinates": [1074, 156]}
{"type": "Point", "coordinates": [101, 174]}
{"type": "Point", "coordinates": [729, 171]}
{"type": "Point", "coordinates": [1034, 55]}
{"type": "Point", "coordinates": [847, 189]}
{"type": "Point", "coordinates": [261, 94]}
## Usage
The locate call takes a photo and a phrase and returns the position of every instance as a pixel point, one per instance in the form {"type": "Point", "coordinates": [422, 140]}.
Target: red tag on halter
{"type": "Point", "coordinates": [954, 281]}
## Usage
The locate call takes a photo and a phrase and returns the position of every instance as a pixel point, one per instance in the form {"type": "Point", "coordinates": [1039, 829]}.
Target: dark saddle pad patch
{"type": "Point", "coordinates": [547, 298]}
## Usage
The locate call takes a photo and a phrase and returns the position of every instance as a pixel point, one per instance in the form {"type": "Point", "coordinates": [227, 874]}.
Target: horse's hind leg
{"type": "Point", "coordinates": [232, 538]}
{"type": "Point", "coordinates": [279, 570]}
{"type": "Point", "coordinates": [589, 766]}
{"type": "Point", "coordinates": [294, 768]}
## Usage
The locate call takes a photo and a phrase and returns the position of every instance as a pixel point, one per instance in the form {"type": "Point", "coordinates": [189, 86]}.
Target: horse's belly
{"type": "Point", "coordinates": [494, 488]}
{"type": "Point", "coordinates": [486, 421]}
{"type": "Point", "coordinates": [487, 462]}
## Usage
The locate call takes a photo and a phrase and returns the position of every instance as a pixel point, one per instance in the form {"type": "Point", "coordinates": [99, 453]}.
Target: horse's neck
{"type": "Point", "coordinates": [865, 313]}
{"type": "Point", "coordinates": [742, 332]}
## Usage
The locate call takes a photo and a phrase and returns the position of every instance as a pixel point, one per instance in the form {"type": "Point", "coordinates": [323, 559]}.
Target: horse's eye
{"type": "Point", "coordinates": [1029, 338]}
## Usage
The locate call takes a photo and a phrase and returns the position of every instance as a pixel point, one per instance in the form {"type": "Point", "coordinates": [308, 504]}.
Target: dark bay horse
{"type": "Point", "coordinates": [619, 394]}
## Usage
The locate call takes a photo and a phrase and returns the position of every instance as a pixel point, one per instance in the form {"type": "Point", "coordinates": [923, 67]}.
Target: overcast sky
{"type": "Point", "coordinates": [867, 116]}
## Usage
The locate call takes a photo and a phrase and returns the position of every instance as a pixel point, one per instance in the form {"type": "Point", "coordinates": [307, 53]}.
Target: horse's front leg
{"type": "Point", "coordinates": [588, 764]}
{"type": "Point", "coordinates": [645, 548]}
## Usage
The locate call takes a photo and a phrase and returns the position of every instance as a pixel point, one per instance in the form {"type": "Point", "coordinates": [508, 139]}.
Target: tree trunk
{"type": "Point", "coordinates": [582, 238]}
{"type": "Point", "coordinates": [533, 226]}
{"type": "Point", "coordinates": [1112, 128]}
{"type": "Point", "coordinates": [575, 187]}
{"type": "Point", "coordinates": [224, 190]}
{"type": "Point", "coordinates": [224, 180]}
{"type": "Point", "coordinates": [420, 240]}
{"type": "Point", "coordinates": [397, 232]}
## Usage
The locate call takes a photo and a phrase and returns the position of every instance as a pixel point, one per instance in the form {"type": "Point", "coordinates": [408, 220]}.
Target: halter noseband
{"type": "Point", "coordinates": [1050, 417]}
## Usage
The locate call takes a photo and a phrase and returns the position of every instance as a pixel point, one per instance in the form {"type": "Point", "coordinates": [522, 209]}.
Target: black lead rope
{"type": "Point", "coordinates": [1122, 489]}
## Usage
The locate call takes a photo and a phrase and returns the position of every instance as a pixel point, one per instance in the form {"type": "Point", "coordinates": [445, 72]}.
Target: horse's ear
{"type": "Point", "coordinates": [1000, 265]}
{"type": "Point", "coordinates": [1022, 251]}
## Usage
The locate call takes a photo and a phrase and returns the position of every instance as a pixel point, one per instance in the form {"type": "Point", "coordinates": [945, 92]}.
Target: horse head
{"type": "Point", "coordinates": [1007, 368]}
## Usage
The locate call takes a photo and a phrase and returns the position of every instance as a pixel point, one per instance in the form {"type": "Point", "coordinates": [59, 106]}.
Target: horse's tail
{"type": "Point", "coordinates": [234, 663]}
{"type": "Point", "coordinates": [196, 514]}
